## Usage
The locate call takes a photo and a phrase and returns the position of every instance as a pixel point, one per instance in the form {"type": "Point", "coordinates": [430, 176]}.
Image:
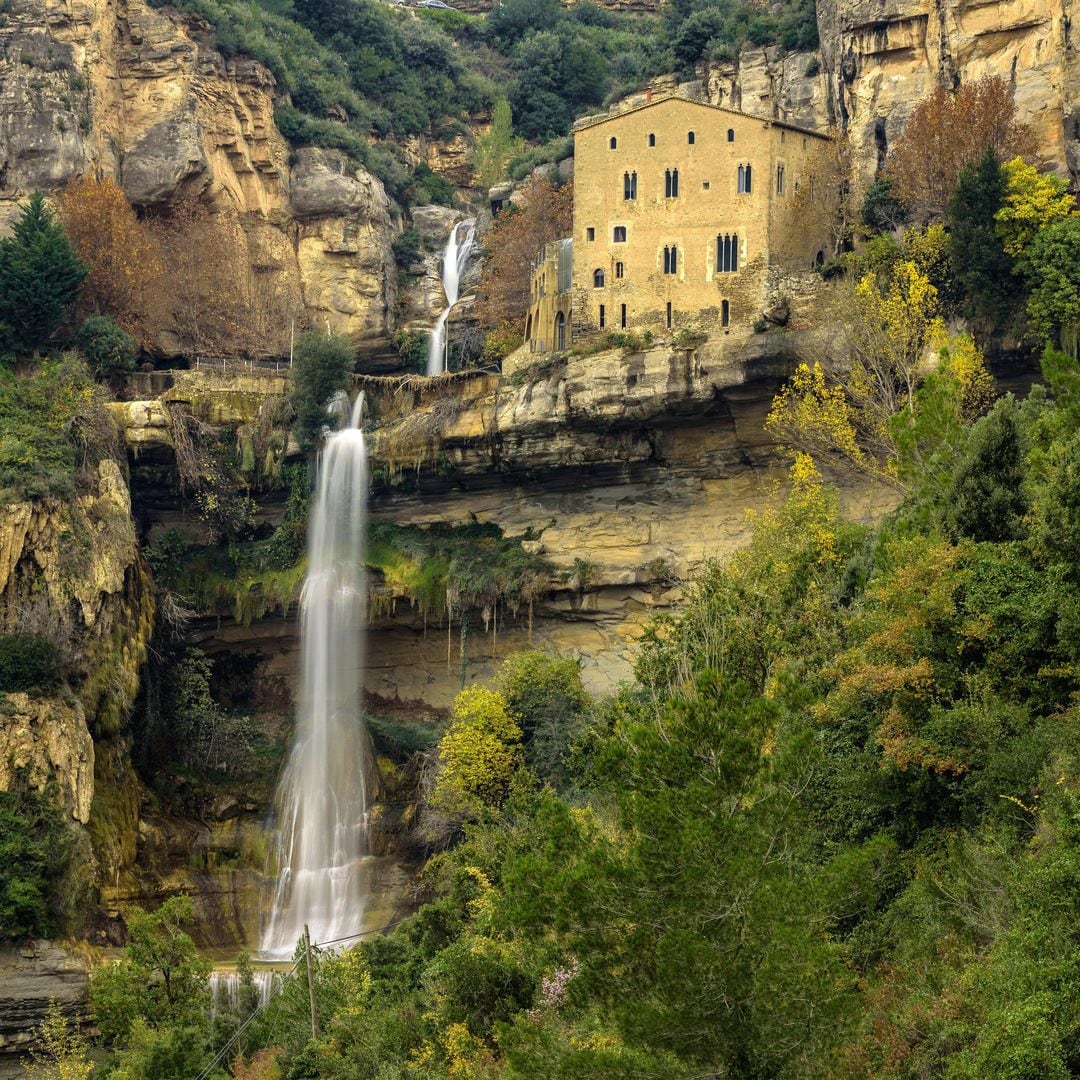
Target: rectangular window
{"type": "Point", "coordinates": [779, 179]}
{"type": "Point", "coordinates": [725, 313]}
{"type": "Point", "coordinates": [618, 269]}
{"type": "Point", "coordinates": [669, 315]}
{"type": "Point", "coordinates": [619, 235]}
{"type": "Point", "coordinates": [622, 316]}
{"type": "Point", "coordinates": [602, 316]}
{"type": "Point", "coordinates": [590, 234]}
{"type": "Point", "coordinates": [727, 253]}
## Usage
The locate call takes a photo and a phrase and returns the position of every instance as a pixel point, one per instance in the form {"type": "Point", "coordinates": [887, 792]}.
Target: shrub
{"type": "Point", "coordinates": [109, 348]}
{"type": "Point", "coordinates": [428, 187]}
{"type": "Point", "coordinates": [321, 367]}
{"type": "Point", "coordinates": [478, 755]}
{"type": "Point", "coordinates": [407, 247]}
{"type": "Point", "coordinates": [34, 853]}
{"type": "Point", "coordinates": [28, 663]}
{"type": "Point", "coordinates": [499, 343]}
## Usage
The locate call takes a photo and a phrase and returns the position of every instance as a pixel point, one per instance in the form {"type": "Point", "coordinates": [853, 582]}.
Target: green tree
{"type": "Point", "coordinates": [496, 146]}
{"type": "Point", "coordinates": [40, 276]}
{"type": "Point", "coordinates": [986, 500]}
{"type": "Point", "coordinates": [1052, 263]}
{"type": "Point", "coordinates": [161, 982]}
{"type": "Point", "coordinates": [321, 367]}
{"type": "Point", "coordinates": [109, 348]}
{"type": "Point", "coordinates": [982, 267]}
{"type": "Point", "coordinates": [34, 852]}
{"type": "Point", "coordinates": [882, 210]}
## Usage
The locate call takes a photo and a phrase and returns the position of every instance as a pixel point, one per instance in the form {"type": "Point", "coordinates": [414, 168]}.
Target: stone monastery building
{"type": "Point", "coordinates": [684, 217]}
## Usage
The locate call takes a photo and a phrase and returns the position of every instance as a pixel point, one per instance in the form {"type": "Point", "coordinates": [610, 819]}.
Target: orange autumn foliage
{"type": "Point", "coordinates": [516, 238]}
{"type": "Point", "coordinates": [947, 132]}
{"type": "Point", "coordinates": [126, 266]}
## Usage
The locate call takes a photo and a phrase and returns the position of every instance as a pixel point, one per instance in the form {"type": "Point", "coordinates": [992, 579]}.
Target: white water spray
{"type": "Point", "coordinates": [453, 266]}
{"type": "Point", "coordinates": [322, 796]}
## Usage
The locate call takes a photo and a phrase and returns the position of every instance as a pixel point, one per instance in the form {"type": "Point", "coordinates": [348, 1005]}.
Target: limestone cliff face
{"type": "Point", "coordinates": [122, 89]}
{"type": "Point", "coordinates": [881, 56]}
{"type": "Point", "coordinates": [72, 572]}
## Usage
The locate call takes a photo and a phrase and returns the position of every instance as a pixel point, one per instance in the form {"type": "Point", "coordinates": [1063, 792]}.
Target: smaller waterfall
{"type": "Point", "coordinates": [225, 987]}
{"type": "Point", "coordinates": [453, 266]}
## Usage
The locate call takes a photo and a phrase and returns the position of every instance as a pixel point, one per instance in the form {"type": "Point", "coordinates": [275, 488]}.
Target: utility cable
{"type": "Point", "coordinates": [276, 987]}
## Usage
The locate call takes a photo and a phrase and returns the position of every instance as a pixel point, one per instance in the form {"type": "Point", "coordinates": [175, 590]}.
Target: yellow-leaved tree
{"type": "Point", "coordinates": [1033, 200]}
{"type": "Point", "coordinates": [478, 755]}
{"type": "Point", "coordinates": [887, 384]}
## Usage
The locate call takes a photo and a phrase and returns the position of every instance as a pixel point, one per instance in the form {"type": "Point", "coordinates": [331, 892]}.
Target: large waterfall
{"type": "Point", "coordinates": [453, 266]}
{"type": "Point", "coordinates": [322, 797]}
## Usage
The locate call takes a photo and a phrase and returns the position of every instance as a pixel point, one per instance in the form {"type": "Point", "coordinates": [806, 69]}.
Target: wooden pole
{"type": "Point", "coordinates": [311, 984]}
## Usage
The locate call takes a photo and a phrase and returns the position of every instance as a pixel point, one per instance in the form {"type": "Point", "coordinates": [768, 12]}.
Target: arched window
{"type": "Point", "coordinates": [725, 313]}
{"type": "Point", "coordinates": [779, 179]}
{"type": "Point", "coordinates": [749, 180]}
{"type": "Point", "coordinates": [602, 319]}
{"type": "Point", "coordinates": [652, 139]}
{"type": "Point", "coordinates": [727, 253]}
{"type": "Point", "coordinates": [742, 179]}
{"type": "Point", "coordinates": [560, 332]}
{"type": "Point", "coordinates": [690, 137]}
{"type": "Point", "coordinates": [820, 258]}
{"type": "Point", "coordinates": [671, 260]}
{"type": "Point", "coordinates": [528, 327]}
{"type": "Point", "coordinates": [618, 270]}
{"type": "Point", "coordinates": [614, 142]}
{"type": "Point", "coordinates": [730, 134]}
{"type": "Point", "coordinates": [618, 236]}
{"type": "Point", "coordinates": [598, 279]}
{"type": "Point", "coordinates": [629, 185]}
{"type": "Point", "coordinates": [671, 183]}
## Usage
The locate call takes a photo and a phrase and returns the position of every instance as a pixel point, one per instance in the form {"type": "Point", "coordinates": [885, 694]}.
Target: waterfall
{"type": "Point", "coordinates": [321, 801]}
{"type": "Point", "coordinates": [453, 266]}
{"type": "Point", "coordinates": [225, 990]}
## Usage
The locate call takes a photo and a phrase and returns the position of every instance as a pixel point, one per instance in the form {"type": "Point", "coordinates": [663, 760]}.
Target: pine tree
{"type": "Point", "coordinates": [40, 276]}
{"type": "Point", "coordinates": [982, 267]}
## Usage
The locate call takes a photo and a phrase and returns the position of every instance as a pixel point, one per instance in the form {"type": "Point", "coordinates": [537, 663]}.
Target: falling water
{"type": "Point", "coordinates": [225, 987]}
{"type": "Point", "coordinates": [453, 266]}
{"type": "Point", "coordinates": [322, 796]}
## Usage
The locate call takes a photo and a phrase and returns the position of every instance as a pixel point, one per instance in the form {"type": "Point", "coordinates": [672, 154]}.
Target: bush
{"type": "Point", "coordinates": [109, 348]}
{"type": "Point", "coordinates": [321, 367]}
{"type": "Point", "coordinates": [28, 663]}
{"type": "Point", "coordinates": [407, 247]}
{"type": "Point", "coordinates": [34, 853]}
{"type": "Point", "coordinates": [428, 187]}
{"type": "Point", "coordinates": [478, 754]}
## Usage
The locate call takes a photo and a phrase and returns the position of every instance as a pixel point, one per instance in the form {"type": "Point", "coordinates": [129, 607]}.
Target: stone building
{"type": "Point", "coordinates": [685, 217]}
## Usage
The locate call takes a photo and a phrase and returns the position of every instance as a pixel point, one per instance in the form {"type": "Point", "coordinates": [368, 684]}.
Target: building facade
{"type": "Point", "coordinates": [681, 209]}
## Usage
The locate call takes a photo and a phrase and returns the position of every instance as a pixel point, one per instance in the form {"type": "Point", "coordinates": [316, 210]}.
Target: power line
{"type": "Point", "coordinates": [276, 987]}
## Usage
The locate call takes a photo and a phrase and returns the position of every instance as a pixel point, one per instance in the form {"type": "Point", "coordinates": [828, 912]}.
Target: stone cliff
{"type": "Point", "coordinates": [121, 89]}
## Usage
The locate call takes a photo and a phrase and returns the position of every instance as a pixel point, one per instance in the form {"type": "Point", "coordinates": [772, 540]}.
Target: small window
{"type": "Point", "coordinates": [782, 134]}
{"type": "Point", "coordinates": [671, 183]}
{"type": "Point", "coordinates": [690, 137]}
{"type": "Point", "coordinates": [671, 260]}
{"type": "Point", "coordinates": [744, 180]}
{"type": "Point", "coordinates": [619, 235]}
{"type": "Point", "coordinates": [602, 320]}
{"type": "Point", "coordinates": [779, 179]}
{"type": "Point", "coordinates": [618, 270]}
{"type": "Point", "coordinates": [614, 142]}
{"type": "Point", "coordinates": [730, 134]}
{"type": "Point", "coordinates": [704, 185]}
{"type": "Point", "coordinates": [820, 258]}
{"type": "Point", "coordinates": [652, 139]}
{"type": "Point", "coordinates": [622, 316]}
{"type": "Point", "coordinates": [725, 313]}
{"type": "Point", "coordinates": [804, 143]}
{"type": "Point", "coordinates": [669, 315]}
{"type": "Point", "coordinates": [629, 185]}
{"type": "Point", "coordinates": [598, 279]}
{"type": "Point", "coordinates": [590, 234]}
